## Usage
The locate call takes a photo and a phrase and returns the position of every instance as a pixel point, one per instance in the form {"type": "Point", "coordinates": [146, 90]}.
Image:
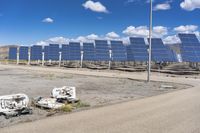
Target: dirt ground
{"type": "Point", "coordinates": [93, 90]}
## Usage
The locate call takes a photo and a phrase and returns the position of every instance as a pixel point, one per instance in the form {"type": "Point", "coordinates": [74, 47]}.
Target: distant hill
{"type": "Point", "coordinates": [4, 51]}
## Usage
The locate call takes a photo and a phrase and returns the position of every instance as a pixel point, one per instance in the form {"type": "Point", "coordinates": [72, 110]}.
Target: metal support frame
{"type": "Point", "coordinates": [110, 55]}
{"type": "Point", "coordinates": [42, 58]}
{"type": "Point", "coordinates": [82, 54]}
{"type": "Point", "coordinates": [60, 58]}
{"type": "Point", "coordinates": [197, 65]}
{"type": "Point", "coordinates": [29, 56]}
{"type": "Point", "coordinates": [150, 36]}
{"type": "Point", "coordinates": [18, 56]}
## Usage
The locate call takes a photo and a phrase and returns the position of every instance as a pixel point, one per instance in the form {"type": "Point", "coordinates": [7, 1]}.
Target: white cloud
{"type": "Point", "coordinates": [186, 28]}
{"type": "Point", "coordinates": [125, 40]}
{"type": "Point", "coordinates": [63, 40]}
{"type": "Point", "coordinates": [171, 40]}
{"type": "Point", "coordinates": [81, 39]}
{"type": "Point", "coordinates": [89, 38]}
{"type": "Point", "coordinates": [59, 40]}
{"type": "Point", "coordinates": [143, 31]}
{"type": "Point", "coordinates": [140, 31]}
{"type": "Point", "coordinates": [95, 6]}
{"type": "Point", "coordinates": [112, 35]}
{"type": "Point", "coordinates": [190, 5]}
{"type": "Point", "coordinates": [54, 40]}
{"type": "Point", "coordinates": [92, 37]}
{"type": "Point", "coordinates": [163, 6]}
{"type": "Point", "coordinates": [42, 43]}
{"type": "Point", "coordinates": [48, 20]}
{"type": "Point", "coordinates": [159, 31]}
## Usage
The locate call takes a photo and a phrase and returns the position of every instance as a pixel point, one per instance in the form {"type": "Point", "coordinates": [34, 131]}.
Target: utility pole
{"type": "Point", "coordinates": [150, 36]}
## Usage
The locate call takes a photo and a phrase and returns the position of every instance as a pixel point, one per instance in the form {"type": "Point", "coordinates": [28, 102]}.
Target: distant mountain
{"type": "Point", "coordinates": [4, 51]}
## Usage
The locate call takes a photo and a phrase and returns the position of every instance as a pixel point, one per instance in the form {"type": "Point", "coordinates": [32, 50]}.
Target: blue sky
{"type": "Point", "coordinates": [28, 22]}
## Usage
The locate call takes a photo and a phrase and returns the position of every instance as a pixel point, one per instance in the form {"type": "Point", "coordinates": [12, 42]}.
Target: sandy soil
{"type": "Point", "coordinates": [96, 91]}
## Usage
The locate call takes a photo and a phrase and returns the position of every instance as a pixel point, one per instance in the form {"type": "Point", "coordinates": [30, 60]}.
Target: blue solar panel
{"type": "Point", "coordinates": [23, 53]}
{"type": "Point", "coordinates": [74, 51]}
{"type": "Point", "coordinates": [118, 51]}
{"type": "Point", "coordinates": [46, 52]}
{"type": "Point", "coordinates": [36, 52]}
{"type": "Point", "coordinates": [190, 48]}
{"type": "Point", "coordinates": [65, 52]}
{"type": "Point", "coordinates": [137, 50]}
{"type": "Point", "coordinates": [130, 55]}
{"type": "Point", "coordinates": [89, 52]}
{"type": "Point", "coordinates": [161, 53]}
{"type": "Point", "coordinates": [53, 52]}
{"type": "Point", "coordinates": [102, 50]}
{"type": "Point", "coordinates": [12, 53]}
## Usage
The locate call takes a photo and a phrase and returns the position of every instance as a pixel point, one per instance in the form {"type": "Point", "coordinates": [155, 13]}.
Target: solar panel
{"type": "Point", "coordinates": [118, 51]}
{"type": "Point", "coordinates": [102, 50]}
{"type": "Point", "coordinates": [74, 51]}
{"type": "Point", "coordinates": [137, 50]}
{"type": "Point", "coordinates": [23, 53]}
{"type": "Point", "coordinates": [161, 53]}
{"type": "Point", "coordinates": [53, 52]}
{"type": "Point", "coordinates": [12, 53]}
{"type": "Point", "coordinates": [36, 52]}
{"type": "Point", "coordinates": [190, 48]}
{"type": "Point", "coordinates": [130, 55]}
{"type": "Point", "coordinates": [46, 52]}
{"type": "Point", "coordinates": [89, 52]}
{"type": "Point", "coordinates": [65, 52]}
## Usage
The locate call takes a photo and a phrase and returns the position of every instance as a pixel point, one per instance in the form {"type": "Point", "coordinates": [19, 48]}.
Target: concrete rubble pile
{"type": "Point", "coordinates": [59, 97]}
{"type": "Point", "coordinates": [19, 104]}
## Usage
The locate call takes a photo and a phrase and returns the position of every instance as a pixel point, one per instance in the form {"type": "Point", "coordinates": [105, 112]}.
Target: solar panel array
{"type": "Point", "coordinates": [118, 51]}
{"type": "Point", "coordinates": [115, 51]}
{"type": "Point", "coordinates": [137, 50]}
{"type": "Point", "coordinates": [161, 53]}
{"type": "Point", "coordinates": [190, 48]}
{"type": "Point", "coordinates": [102, 50]}
{"type": "Point", "coordinates": [89, 52]}
{"type": "Point", "coordinates": [12, 53]}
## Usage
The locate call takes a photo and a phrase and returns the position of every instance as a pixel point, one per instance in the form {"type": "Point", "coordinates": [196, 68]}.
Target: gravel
{"type": "Point", "coordinates": [93, 90]}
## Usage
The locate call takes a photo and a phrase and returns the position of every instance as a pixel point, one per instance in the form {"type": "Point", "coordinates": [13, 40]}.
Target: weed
{"type": "Point", "coordinates": [66, 108]}
{"type": "Point", "coordinates": [80, 104]}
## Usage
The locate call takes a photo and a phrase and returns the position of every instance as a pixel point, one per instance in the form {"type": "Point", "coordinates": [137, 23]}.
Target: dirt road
{"type": "Point", "coordinates": [176, 112]}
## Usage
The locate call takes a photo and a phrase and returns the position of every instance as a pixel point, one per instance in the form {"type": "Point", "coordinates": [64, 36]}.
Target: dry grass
{"type": "Point", "coordinates": [66, 108]}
